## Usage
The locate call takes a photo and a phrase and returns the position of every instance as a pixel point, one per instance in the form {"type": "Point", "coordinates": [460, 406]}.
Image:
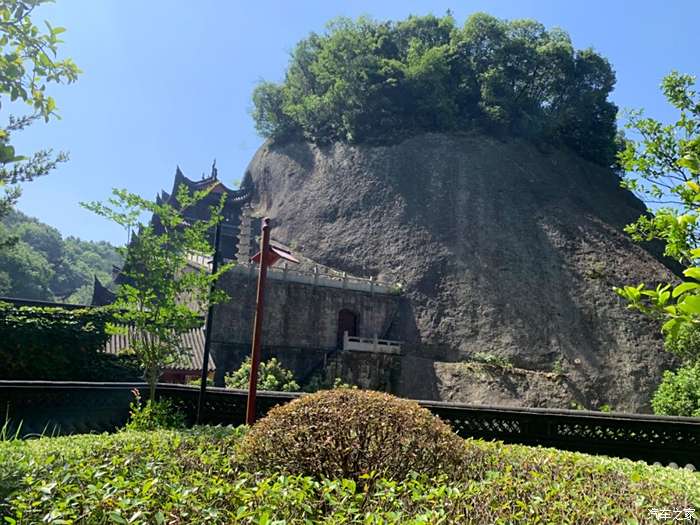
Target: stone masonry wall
{"type": "Point", "coordinates": [300, 327]}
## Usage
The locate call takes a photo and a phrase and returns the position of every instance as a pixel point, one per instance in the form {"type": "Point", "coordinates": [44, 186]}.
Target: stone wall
{"type": "Point", "coordinates": [301, 327]}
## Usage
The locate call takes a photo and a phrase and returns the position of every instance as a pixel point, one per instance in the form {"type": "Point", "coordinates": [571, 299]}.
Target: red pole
{"type": "Point", "coordinates": [257, 327]}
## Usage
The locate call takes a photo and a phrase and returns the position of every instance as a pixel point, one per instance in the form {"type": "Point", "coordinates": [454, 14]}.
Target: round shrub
{"type": "Point", "coordinates": [349, 433]}
{"type": "Point", "coordinates": [679, 393]}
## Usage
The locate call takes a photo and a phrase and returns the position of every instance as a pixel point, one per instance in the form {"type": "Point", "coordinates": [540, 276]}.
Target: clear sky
{"type": "Point", "coordinates": [168, 82]}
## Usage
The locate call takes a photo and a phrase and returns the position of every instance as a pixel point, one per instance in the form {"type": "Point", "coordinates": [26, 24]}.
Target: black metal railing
{"type": "Point", "coordinates": [68, 407]}
{"type": "Point", "coordinates": [662, 439]}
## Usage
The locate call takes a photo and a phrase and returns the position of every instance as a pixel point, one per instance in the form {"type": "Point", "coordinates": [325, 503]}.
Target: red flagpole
{"type": "Point", "coordinates": [257, 327]}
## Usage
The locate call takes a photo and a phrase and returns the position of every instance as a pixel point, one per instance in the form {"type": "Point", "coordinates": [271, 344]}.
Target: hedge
{"type": "Point", "coordinates": [194, 476]}
{"type": "Point", "coordinates": [58, 344]}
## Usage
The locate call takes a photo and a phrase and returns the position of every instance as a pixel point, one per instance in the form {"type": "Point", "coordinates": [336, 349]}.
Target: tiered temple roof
{"type": "Point", "coordinates": [230, 226]}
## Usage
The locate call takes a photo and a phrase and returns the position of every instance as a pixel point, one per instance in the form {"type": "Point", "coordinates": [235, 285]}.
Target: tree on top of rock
{"type": "Point", "coordinates": [369, 81]}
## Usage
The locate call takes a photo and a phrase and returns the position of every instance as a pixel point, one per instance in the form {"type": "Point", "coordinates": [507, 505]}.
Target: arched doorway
{"type": "Point", "coordinates": [347, 322]}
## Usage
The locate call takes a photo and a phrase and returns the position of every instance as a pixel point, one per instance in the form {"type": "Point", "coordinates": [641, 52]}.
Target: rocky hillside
{"type": "Point", "coordinates": [505, 251]}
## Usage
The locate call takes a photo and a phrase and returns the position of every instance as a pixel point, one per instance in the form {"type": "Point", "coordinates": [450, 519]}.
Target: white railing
{"type": "Point", "coordinates": [375, 345]}
{"type": "Point", "coordinates": [316, 278]}
{"type": "Point", "coordinates": [200, 260]}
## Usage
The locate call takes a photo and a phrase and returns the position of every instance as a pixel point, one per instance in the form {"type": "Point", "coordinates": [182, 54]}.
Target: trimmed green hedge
{"type": "Point", "coordinates": [58, 344]}
{"type": "Point", "coordinates": [193, 476]}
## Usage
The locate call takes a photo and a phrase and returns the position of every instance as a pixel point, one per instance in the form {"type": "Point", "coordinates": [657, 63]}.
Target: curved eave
{"type": "Point", "coordinates": [240, 195]}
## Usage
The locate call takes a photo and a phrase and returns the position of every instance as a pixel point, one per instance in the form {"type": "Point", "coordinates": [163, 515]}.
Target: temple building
{"type": "Point", "coordinates": [320, 322]}
{"type": "Point", "coordinates": [235, 201]}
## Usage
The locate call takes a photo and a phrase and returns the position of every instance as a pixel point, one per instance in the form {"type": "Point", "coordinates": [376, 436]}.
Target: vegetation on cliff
{"type": "Point", "coordinates": [369, 81]}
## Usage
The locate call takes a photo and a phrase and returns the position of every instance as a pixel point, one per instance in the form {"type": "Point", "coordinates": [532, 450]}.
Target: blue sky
{"type": "Point", "coordinates": [168, 83]}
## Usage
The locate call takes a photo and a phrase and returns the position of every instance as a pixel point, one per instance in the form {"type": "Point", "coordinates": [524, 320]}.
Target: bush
{"type": "Point", "coordinates": [198, 382]}
{"type": "Point", "coordinates": [192, 476]}
{"type": "Point", "coordinates": [153, 415]}
{"type": "Point", "coordinates": [351, 434]}
{"type": "Point", "coordinates": [491, 359]}
{"type": "Point", "coordinates": [679, 393]}
{"type": "Point", "coordinates": [271, 376]}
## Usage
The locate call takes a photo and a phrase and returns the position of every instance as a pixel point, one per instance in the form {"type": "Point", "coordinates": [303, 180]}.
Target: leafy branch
{"type": "Point", "coordinates": [28, 64]}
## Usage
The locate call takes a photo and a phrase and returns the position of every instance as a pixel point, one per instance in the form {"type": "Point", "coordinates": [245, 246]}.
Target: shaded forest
{"type": "Point", "coordinates": [43, 265]}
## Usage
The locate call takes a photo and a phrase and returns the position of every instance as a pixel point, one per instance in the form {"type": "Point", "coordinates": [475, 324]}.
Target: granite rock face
{"type": "Point", "coordinates": [502, 248]}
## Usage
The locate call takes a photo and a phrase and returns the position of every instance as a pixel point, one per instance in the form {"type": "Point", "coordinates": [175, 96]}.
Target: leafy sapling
{"type": "Point", "coordinates": [162, 294]}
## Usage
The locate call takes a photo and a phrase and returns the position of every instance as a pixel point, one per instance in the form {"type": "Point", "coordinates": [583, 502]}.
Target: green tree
{"type": "Point", "coordinates": [44, 239]}
{"type": "Point", "coordinates": [26, 273]}
{"type": "Point", "coordinates": [685, 342]}
{"type": "Point", "coordinates": [663, 169]}
{"type": "Point", "coordinates": [271, 376]}
{"type": "Point", "coordinates": [364, 81]}
{"type": "Point", "coordinates": [162, 295]}
{"type": "Point", "coordinates": [663, 166]}
{"type": "Point", "coordinates": [28, 63]}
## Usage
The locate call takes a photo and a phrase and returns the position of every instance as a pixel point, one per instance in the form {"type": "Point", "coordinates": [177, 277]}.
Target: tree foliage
{"type": "Point", "coordinates": [271, 376]}
{"type": "Point", "coordinates": [41, 264]}
{"type": "Point", "coordinates": [663, 166]}
{"type": "Point", "coordinates": [685, 342]}
{"type": "Point", "coordinates": [365, 80]}
{"type": "Point", "coordinates": [28, 64]}
{"type": "Point", "coordinates": [162, 295]}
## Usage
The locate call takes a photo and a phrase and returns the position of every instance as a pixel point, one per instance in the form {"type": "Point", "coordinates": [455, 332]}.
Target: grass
{"type": "Point", "coordinates": [192, 476]}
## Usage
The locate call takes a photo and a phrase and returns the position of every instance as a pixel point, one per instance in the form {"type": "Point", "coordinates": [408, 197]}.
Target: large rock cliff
{"type": "Point", "coordinates": [503, 249]}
